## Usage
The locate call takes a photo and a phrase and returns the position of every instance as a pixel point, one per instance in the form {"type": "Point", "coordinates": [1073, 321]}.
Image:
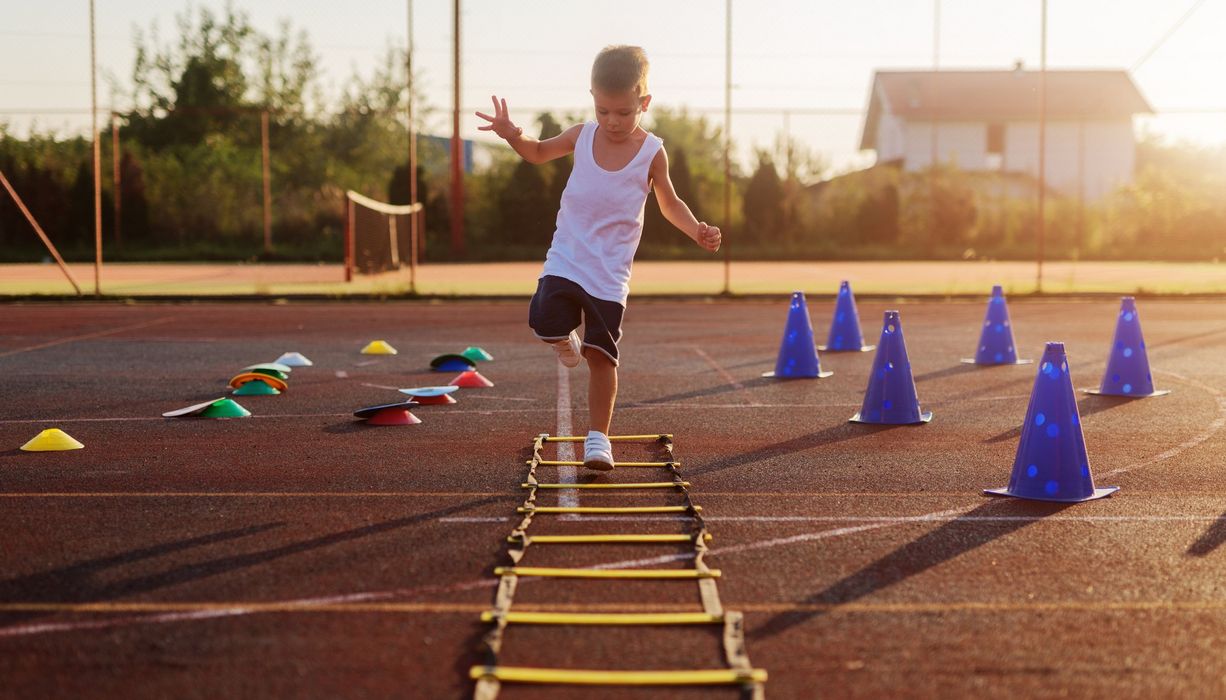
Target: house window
{"type": "Point", "coordinates": [995, 150]}
{"type": "Point", "coordinates": [996, 138]}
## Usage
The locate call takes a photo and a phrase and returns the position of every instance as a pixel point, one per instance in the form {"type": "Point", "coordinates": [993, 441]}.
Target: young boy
{"type": "Point", "coordinates": [587, 268]}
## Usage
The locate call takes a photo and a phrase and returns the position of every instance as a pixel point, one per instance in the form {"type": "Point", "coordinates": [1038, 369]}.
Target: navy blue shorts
{"type": "Point", "coordinates": [558, 306]}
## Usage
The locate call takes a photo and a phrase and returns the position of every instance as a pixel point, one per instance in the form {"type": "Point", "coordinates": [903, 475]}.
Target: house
{"type": "Point", "coordinates": [989, 121]}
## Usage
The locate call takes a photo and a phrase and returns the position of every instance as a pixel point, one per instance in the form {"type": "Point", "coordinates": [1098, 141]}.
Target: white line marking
{"type": "Point", "coordinates": [366, 363]}
{"type": "Point", "coordinates": [778, 541]}
{"type": "Point", "coordinates": [43, 628]}
{"type": "Point", "coordinates": [567, 498]}
{"type": "Point", "coordinates": [380, 386]}
{"type": "Point", "coordinates": [342, 374]}
{"type": "Point", "coordinates": [723, 373]}
{"type": "Point", "coordinates": [88, 336]}
{"type": "Point", "coordinates": [1188, 444]}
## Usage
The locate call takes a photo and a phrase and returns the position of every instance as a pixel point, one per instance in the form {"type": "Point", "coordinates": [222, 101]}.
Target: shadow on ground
{"type": "Point", "coordinates": [1211, 539]}
{"type": "Point", "coordinates": [948, 541]}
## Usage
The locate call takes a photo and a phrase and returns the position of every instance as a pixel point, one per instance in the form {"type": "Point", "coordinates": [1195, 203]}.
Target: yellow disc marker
{"type": "Point", "coordinates": [378, 347]}
{"type": "Point", "coordinates": [52, 440]}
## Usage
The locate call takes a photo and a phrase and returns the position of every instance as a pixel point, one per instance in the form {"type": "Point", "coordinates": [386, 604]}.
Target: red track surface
{"type": "Point", "coordinates": [300, 553]}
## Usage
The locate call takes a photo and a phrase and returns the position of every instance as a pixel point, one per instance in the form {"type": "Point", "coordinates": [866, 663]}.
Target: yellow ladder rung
{"type": "Point", "coordinates": [550, 572]}
{"type": "Point", "coordinates": [607, 509]}
{"type": "Point", "coordinates": [603, 539]}
{"type": "Point", "coordinates": [575, 676]}
{"type": "Point", "coordinates": [574, 463]}
{"type": "Point", "coordinates": [642, 485]}
{"type": "Point", "coordinates": [612, 438]}
{"type": "Point", "coordinates": [554, 618]}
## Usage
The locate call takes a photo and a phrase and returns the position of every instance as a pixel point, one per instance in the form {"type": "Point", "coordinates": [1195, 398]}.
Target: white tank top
{"type": "Point", "coordinates": [600, 221]}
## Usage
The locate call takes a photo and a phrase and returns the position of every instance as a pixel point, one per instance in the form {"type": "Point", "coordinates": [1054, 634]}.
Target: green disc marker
{"type": "Point", "coordinates": [476, 354]}
{"type": "Point", "coordinates": [256, 388]}
{"type": "Point", "coordinates": [225, 408]}
{"type": "Point", "coordinates": [270, 372]}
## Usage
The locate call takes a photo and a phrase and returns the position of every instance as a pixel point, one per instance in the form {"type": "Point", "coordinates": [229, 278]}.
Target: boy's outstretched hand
{"type": "Point", "coordinates": [709, 237]}
{"type": "Point", "coordinates": [499, 123]}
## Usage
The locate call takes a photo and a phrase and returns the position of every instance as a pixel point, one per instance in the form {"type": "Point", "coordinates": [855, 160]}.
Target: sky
{"type": "Point", "coordinates": [804, 66]}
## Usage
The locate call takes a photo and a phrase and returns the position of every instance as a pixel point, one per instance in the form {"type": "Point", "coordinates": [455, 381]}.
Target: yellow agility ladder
{"type": "Point", "coordinates": [491, 675]}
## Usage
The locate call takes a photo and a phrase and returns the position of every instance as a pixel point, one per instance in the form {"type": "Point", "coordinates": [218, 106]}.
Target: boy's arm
{"type": "Point", "coordinates": [675, 210]}
{"type": "Point", "coordinates": [528, 148]}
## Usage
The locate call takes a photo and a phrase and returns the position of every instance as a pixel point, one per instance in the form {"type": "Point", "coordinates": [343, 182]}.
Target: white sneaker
{"type": "Point", "coordinates": [568, 350]}
{"type": "Point", "coordinates": [597, 452]}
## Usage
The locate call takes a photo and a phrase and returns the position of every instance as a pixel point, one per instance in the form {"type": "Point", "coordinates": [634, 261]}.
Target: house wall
{"type": "Point", "coordinates": [964, 143]}
{"type": "Point", "coordinates": [1095, 156]}
{"type": "Point", "coordinates": [891, 139]}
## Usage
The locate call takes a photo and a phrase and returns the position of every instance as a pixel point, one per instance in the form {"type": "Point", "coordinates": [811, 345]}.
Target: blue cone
{"type": "Point", "coordinates": [996, 345]}
{"type": "Point", "coordinates": [797, 353]}
{"type": "Point", "coordinates": [845, 333]}
{"type": "Point", "coordinates": [890, 397]}
{"type": "Point", "coordinates": [1051, 462]}
{"type": "Point", "coordinates": [1128, 372]}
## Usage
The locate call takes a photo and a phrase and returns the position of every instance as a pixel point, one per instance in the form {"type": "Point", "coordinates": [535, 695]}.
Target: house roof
{"type": "Point", "coordinates": [1000, 95]}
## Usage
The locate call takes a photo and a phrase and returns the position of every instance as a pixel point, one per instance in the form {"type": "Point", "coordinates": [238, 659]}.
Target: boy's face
{"type": "Point", "coordinates": [619, 113]}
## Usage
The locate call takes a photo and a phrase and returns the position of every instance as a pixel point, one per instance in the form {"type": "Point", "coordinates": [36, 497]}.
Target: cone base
{"type": "Point", "coordinates": [862, 348]}
{"type": "Point", "coordinates": [1098, 493]}
{"type": "Point", "coordinates": [925, 417]}
{"type": "Point", "coordinates": [819, 375]}
{"type": "Point", "coordinates": [393, 417]}
{"type": "Point", "coordinates": [1100, 392]}
{"type": "Point", "coordinates": [256, 388]}
{"type": "Point", "coordinates": [52, 440]}
{"type": "Point", "coordinates": [971, 361]}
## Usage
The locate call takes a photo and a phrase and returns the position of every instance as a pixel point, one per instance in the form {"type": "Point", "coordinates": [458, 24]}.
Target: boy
{"type": "Point", "coordinates": [587, 268]}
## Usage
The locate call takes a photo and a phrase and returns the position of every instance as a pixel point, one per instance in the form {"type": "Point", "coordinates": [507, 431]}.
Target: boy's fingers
{"type": "Point", "coordinates": [504, 107]}
{"type": "Point", "coordinates": [485, 116]}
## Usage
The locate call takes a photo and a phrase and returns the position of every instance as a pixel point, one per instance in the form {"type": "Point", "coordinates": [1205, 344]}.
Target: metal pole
{"type": "Point", "coordinates": [266, 156]}
{"type": "Point", "coordinates": [116, 183]}
{"type": "Point", "coordinates": [934, 124]}
{"type": "Point", "coordinates": [457, 150]}
{"type": "Point", "coordinates": [414, 232]}
{"type": "Point", "coordinates": [1038, 285]}
{"type": "Point", "coordinates": [93, 130]}
{"type": "Point", "coordinates": [728, 143]}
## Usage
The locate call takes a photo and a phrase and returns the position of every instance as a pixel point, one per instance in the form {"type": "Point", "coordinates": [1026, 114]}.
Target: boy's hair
{"type": "Point", "coordinates": [621, 69]}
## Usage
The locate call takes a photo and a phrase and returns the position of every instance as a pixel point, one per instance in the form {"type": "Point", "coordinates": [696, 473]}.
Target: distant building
{"type": "Point", "coordinates": [989, 121]}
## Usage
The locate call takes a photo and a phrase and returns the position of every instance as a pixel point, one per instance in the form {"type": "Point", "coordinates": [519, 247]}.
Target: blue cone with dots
{"type": "Point", "coordinates": [1128, 372]}
{"type": "Point", "coordinates": [797, 353]}
{"type": "Point", "coordinates": [890, 397]}
{"type": "Point", "coordinates": [845, 333]}
{"type": "Point", "coordinates": [996, 345]}
{"type": "Point", "coordinates": [1051, 462]}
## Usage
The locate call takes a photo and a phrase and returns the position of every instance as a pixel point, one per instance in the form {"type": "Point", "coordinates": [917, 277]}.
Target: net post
{"type": "Point", "coordinates": [38, 229]}
{"type": "Point", "coordinates": [348, 239]}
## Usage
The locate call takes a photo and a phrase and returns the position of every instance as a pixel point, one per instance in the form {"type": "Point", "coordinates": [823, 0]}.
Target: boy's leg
{"type": "Point", "coordinates": [602, 390]}
{"type": "Point", "coordinates": [601, 331]}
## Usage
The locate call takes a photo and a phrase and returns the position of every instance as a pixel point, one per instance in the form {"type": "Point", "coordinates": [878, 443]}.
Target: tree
{"type": "Point", "coordinates": [764, 197]}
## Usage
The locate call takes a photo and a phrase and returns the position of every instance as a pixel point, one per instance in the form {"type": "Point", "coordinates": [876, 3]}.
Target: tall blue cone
{"type": "Point", "coordinates": [845, 333]}
{"type": "Point", "coordinates": [1051, 462]}
{"type": "Point", "coordinates": [797, 353]}
{"type": "Point", "coordinates": [1128, 372]}
{"type": "Point", "coordinates": [996, 345]}
{"type": "Point", "coordinates": [890, 397]}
